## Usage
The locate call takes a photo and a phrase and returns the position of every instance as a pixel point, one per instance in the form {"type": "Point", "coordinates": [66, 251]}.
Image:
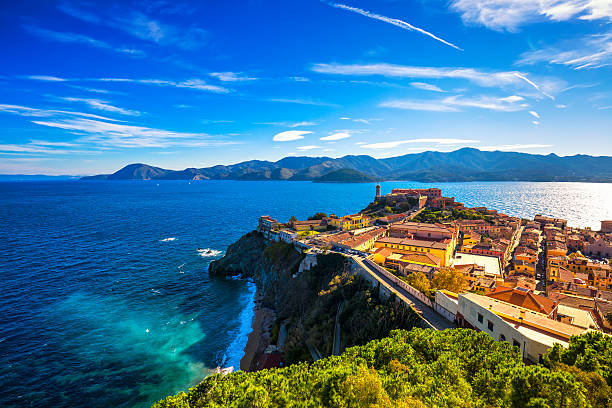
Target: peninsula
{"type": "Point", "coordinates": [465, 164]}
{"type": "Point", "coordinates": [418, 300]}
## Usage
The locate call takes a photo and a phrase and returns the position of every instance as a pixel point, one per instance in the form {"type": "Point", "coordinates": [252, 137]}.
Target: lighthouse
{"type": "Point", "coordinates": [378, 191]}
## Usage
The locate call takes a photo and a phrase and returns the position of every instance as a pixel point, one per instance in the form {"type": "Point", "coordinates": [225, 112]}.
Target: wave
{"type": "Point", "coordinates": [207, 252]}
{"type": "Point", "coordinates": [168, 239]}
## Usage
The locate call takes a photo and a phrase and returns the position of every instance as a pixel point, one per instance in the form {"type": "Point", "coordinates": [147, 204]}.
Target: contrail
{"type": "Point", "coordinates": [394, 21]}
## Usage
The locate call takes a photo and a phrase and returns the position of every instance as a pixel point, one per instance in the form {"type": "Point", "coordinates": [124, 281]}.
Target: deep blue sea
{"type": "Point", "coordinates": [106, 302]}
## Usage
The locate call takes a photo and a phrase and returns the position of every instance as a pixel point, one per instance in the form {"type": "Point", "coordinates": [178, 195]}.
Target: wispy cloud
{"type": "Point", "coordinates": [102, 105]}
{"type": "Point", "coordinates": [299, 101]}
{"type": "Point", "coordinates": [336, 136]}
{"type": "Point", "coordinates": [359, 120]}
{"type": "Point", "coordinates": [99, 132]}
{"type": "Point", "coordinates": [513, 147]}
{"type": "Point", "coordinates": [426, 87]}
{"type": "Point", "coordinates": [308, 147]}
{"type": "Point", "coordinates": [535, 122]}
{"type": "Point", "coordinates": [195, 83]}
{"type": "Point", "coordinates": [288, 124]}
{"type": "Point", "coordinates": [534, 114]}
{"type": "Point", "coordinates": [592, 52]}
{"type": "Point", "coordinates": [140, 25]}
{"type": "Point", "coordinates": [394, 21]}
{"type": "Point", "coordinates": [511, 14]}
{"type": "Point", "coordinates": [478, 77]}
{"type": "Point", "coordinates": [74, 38]}
{"type": "Point", "coordinates": [46, 78]}
{"type": "Point", "coordinates": [456, 102]}
{"type": "Point", "coordinates": [290, 135]}
{"type": "Point", "coordinates": [396, 143]}
{"type": "Point", "coordinates": [41, 113]}
{"type": "Point", "coordinates": [129, 136]}
{"type": "Point", "coordinates": [231, 76]}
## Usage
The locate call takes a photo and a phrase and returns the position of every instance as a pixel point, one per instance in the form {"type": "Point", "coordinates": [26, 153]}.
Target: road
{"type": "Point", "coordinates": [430, 316]}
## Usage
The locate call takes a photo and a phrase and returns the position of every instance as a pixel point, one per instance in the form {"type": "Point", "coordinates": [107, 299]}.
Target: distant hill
{"type": "Point", "coordinates": [345, 176]}
{"type": "Point", "coordinates": [34, 177]}
{"type": "Point", "coordinates": [466, 164]}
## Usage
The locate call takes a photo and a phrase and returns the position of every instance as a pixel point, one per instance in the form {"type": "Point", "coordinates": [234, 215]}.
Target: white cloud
{"type": "Point", "coordinates": [300, 101]}
{"type": "Point", "coordinates": [337, 136]}
{"type": "Point", "coordinates": [513, 147]}
{"type": "Point", "coordinates": [308, 147]}
{"type": "Point", "coordinates": [195, 83]}
{"type": "Point", "coordinates": [65, 37]}
{"type": "Point", "coordinates": [231, 76]}
{"type": "Point", "coordinates": [102, 105]}
{"type": "Point", "coordinates": [396, 143]}
{"type": "Point", "coordinates": [34, 112]}
{"type": "Point", "coordinates": [535, 122]}
{"type": "Point", "coordinates": [100, 132]}
{"type": "Point", "coordinates": [426, 87]}
{"type": "Point", "coordinates": [128, 136]}
{"type": "Point", "coordinates": [592, 52]}
{"type": "Point", "coordinates": [512, 98]}
{"type": "Point", "coordinates": [510, 14]}
{"type": "Point", "coordinates": [394, 21]}
{"type": "Point", "coordinates": [288, 124]}
{"type": "Point", "coordinates": [561, 106]}
{"type": "Point", "coordinates": [48, 78]}
{"type": "Point", "coordinates": [534, 114]}
{"type": "Point", "coordinates": [481, 78]}
{"type": "Point", "coordinates": [455, 103]}
{"type": "Point", "coordinates": [360, 143]}
{"type": "Point", "coordinates": [290, 135]}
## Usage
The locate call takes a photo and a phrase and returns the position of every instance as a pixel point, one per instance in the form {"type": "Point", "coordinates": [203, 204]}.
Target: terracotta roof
{"type": "Point", "coordinates": [428, 259]}
{"type": "Point", "coordinates": [523, 298]}
{"type": "Point", "coordinates": [414, 242]}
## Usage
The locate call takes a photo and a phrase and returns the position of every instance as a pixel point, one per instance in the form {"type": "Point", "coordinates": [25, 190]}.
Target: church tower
{"type": "Point", "coordinates": [378, 191]}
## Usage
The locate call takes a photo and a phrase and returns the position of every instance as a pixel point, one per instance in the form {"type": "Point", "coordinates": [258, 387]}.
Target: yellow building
{"type": "Point", "coordinates": [441, 250]}
{"type": "Point", "coordinates": [350, 222]}
{"type": "Point", "coordinates": [470, 239]}
{"type": "Point", "coordinates": [600, 274]}
{"type": "Point", "coordinates": [525, 262]}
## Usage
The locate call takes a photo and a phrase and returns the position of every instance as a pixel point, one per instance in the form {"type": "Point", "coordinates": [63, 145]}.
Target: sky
{"type": "Point", "coordinates": [89, 87]}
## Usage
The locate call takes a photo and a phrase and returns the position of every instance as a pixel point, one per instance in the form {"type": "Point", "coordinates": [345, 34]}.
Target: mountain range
{"type": "Point", "coordinates": [467, 164]}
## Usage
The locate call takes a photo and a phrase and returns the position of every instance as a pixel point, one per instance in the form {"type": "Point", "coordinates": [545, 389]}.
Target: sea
{"type": "Point", "coordinates": [105, 298]}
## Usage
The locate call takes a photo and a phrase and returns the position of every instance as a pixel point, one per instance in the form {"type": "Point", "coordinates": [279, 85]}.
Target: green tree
{"type": "Point", "coordinates": [318, 216]}
{"type": "Point", "coordinates": [419, 281]}
{"type": "Point", "coordinates": [449, 279]}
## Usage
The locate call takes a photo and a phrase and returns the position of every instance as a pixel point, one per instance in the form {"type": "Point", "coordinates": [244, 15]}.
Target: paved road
{"type": "Point", "coordinates": [431, 317]}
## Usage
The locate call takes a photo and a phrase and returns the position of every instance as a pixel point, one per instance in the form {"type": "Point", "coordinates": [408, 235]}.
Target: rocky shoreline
{"type": "Point", "coordinates": [259, 338]}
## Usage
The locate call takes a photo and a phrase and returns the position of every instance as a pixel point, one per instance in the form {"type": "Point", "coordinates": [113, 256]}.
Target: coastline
{"type": "Point", "coordinates": [259, 337]}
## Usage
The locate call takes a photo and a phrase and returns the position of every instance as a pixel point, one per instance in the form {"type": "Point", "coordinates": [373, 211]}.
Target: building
{"type": "Point", "coordinates": [423, 231]}
{"type": "Point", "coordinates": [441, 250]}
{"type": "Point", "coordinates": [523, 297]}
{"type": "Point", "coordinates": [543, 220]}
{"type": "Point", "coordinates": [479, 226]}
{"type": "Point", "coordinates": [606, 226]}
{"type": "Point", "coordinates": [378, 191]}
{"type": "Point", "coordinates": [532, 332]}
{"type": "Point", "coordinates": [309, 225]}
{"type": "Point", "coordinates": [525, 260]}
{"type": "Point", "coordinates": [287, 236]}
{"type": "Point", "coordinates": [427, 192]}
{"type": "Point", "coordinates": [600, 247]}
{"type": "Point", "coordinates": [360, 242]}
{"type": "Point", "coordinates": [350, 222]}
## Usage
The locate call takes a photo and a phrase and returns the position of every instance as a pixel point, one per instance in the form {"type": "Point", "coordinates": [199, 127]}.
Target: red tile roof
{"type": "Point", "coordinates": [524, 298]}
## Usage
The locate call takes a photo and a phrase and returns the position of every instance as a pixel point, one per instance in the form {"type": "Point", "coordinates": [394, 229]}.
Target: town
{"type": "Point", "coordinates": [532, 283]}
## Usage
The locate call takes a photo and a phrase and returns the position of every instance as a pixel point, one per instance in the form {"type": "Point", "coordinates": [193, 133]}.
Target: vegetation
{"type": "Point", "coordinates": [317, 216]}
{"type": "Point", "coordinates": [450, 279]}
{"type": "Point", "coordinates": [432, 216]}
{"type": "Point", "coordinates": [313, 300]}
{"type": "Point", "coordinates": [422, 368]}
{"type": "Point", "coordinates": [419, 281]}
{"type": "Point", "coordinates": [345, 176]}
{"type": "Point", "coordinates": [380, 207]}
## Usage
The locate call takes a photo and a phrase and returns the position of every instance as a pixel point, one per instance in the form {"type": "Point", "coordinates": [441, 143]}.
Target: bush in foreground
{"type": "Point", "coordinates": [420, 368]}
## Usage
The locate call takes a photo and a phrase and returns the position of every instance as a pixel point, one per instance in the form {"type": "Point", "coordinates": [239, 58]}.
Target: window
{"type": "Point", "coordinates": [516, 343]}
{"type": "Point", "coordinates": [490, 325]}
{"type": "Point", "coordinates": [480, 318]}
{"type": "Point", "coordinates": [502, 337]}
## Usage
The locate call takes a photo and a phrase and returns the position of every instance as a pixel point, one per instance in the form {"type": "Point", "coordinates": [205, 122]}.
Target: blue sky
{"type": "Point", "coordinates": [88, 87]}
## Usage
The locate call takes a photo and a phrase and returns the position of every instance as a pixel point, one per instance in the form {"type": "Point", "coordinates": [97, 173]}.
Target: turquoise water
{"type": "Point", "coordinates": [105, 300]}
